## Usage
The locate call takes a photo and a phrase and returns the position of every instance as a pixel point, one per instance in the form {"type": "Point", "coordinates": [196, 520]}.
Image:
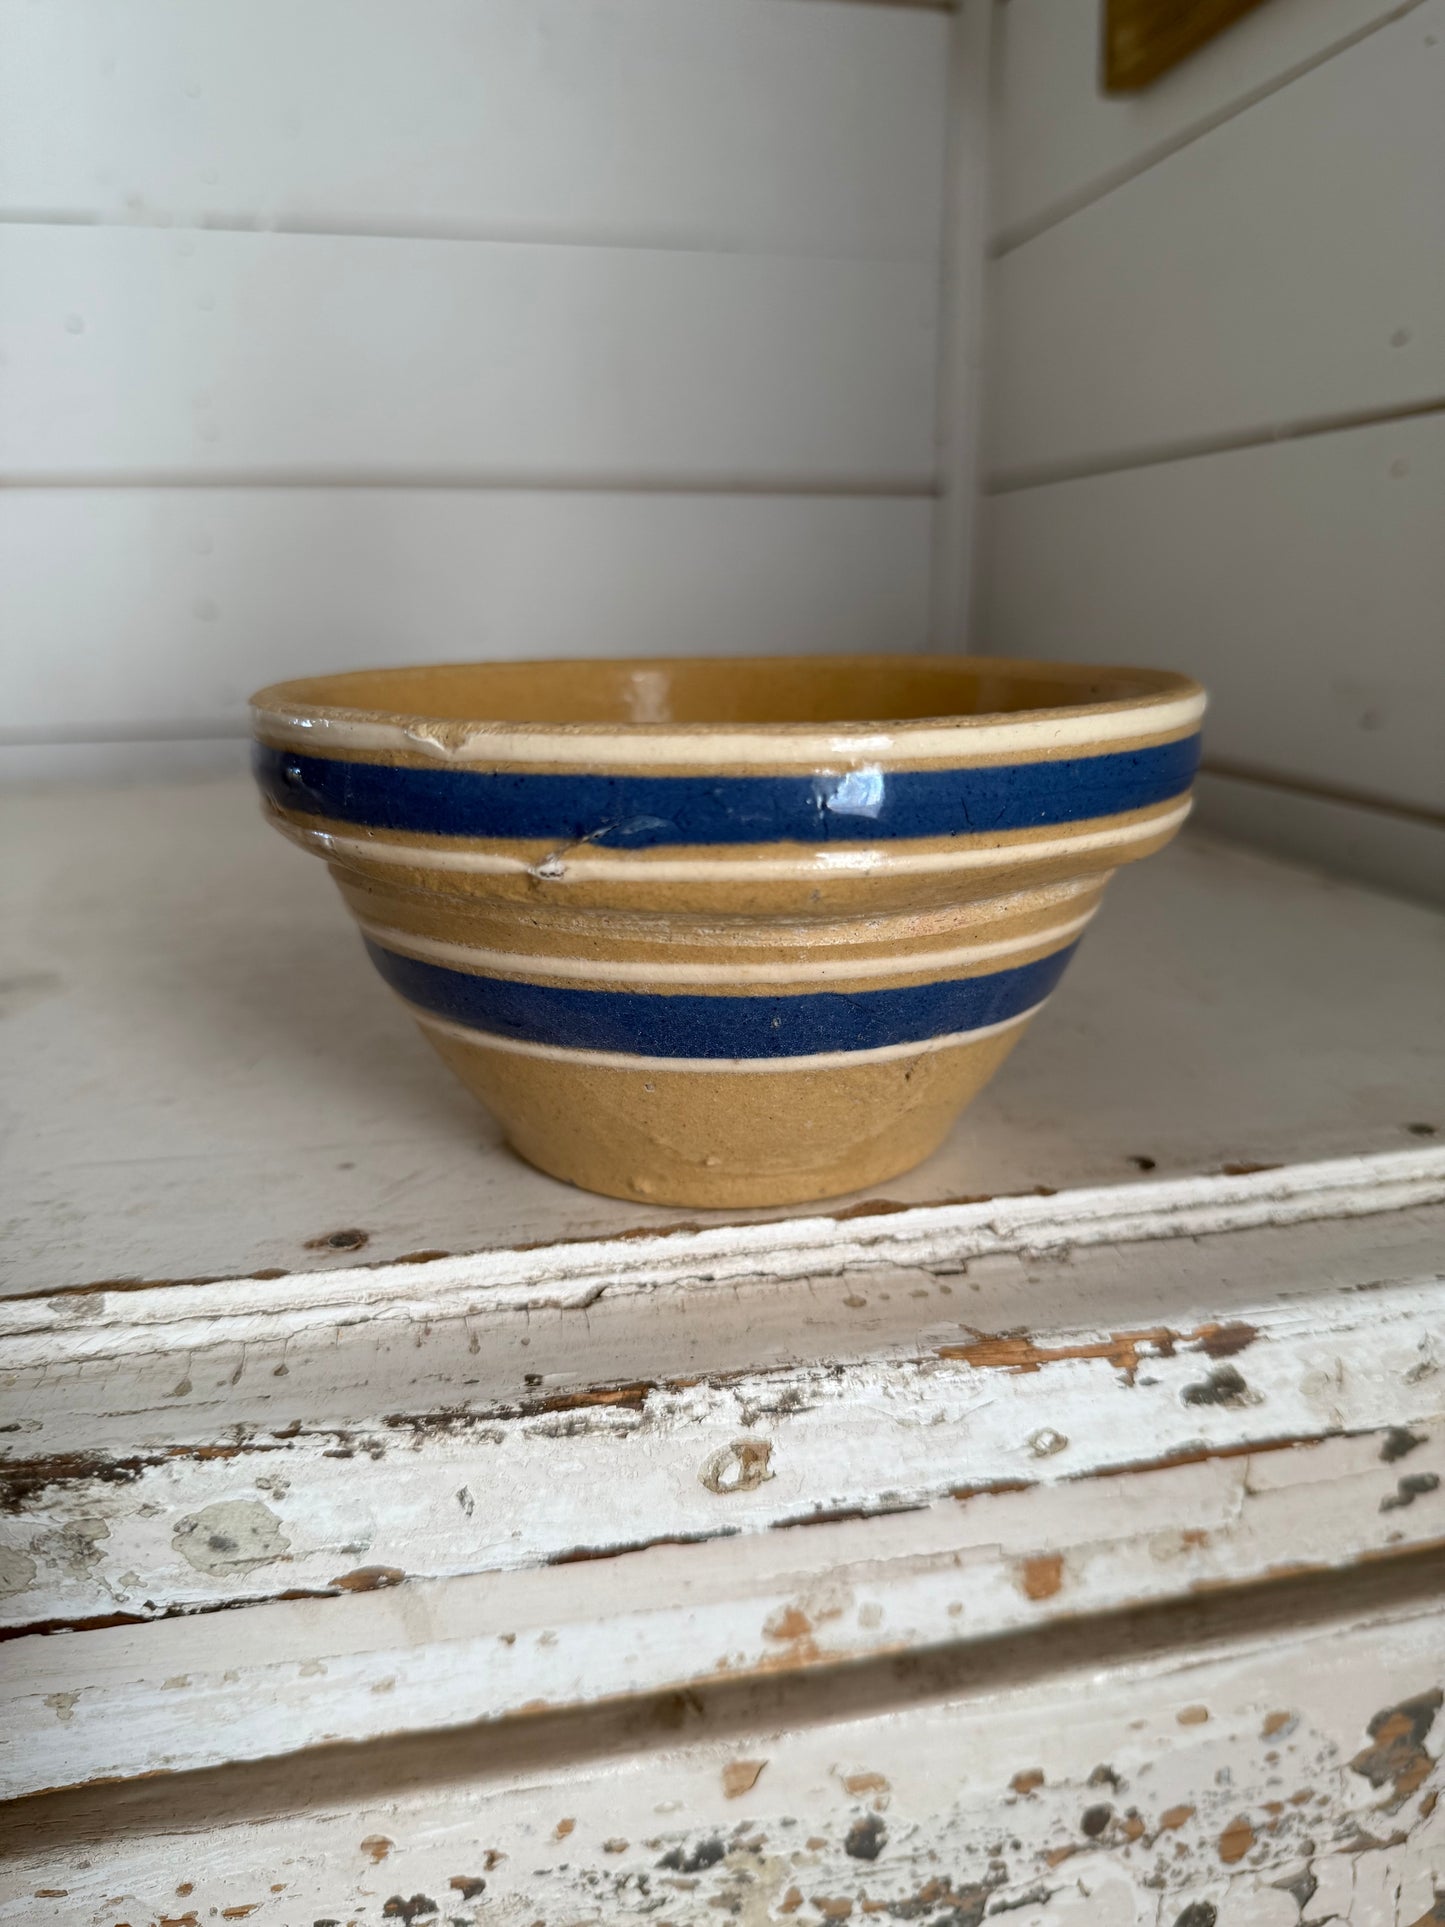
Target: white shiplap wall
{"type": "Point", "coordinates": [352, 331]}
{"type": "Point", "coordinates": [1217, 402]}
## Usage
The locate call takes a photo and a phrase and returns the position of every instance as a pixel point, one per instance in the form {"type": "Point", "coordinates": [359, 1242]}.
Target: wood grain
{"type": "Point", "coordinates": [464, 1553]}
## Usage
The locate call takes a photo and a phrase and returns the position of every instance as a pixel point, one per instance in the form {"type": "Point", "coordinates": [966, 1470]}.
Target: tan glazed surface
{"type": "Point", "coordinates": [727, 932]}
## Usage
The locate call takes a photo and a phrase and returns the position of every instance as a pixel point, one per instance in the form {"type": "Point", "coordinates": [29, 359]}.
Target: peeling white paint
{"type": "Point", "coordinates": [1126, 1822]}
{"type": "Point", "coordinates": [63, 1330]}
{"type": "Point", "coordinates": [302, 1508]}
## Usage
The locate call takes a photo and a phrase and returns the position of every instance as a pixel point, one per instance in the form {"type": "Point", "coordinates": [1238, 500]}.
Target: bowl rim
{"type": "Point", "coordinates": [1165, 702]}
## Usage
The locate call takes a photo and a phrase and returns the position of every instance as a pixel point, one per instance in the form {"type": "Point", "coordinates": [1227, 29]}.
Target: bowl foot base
{"type": "Point", "coordinates": [722, 1138]}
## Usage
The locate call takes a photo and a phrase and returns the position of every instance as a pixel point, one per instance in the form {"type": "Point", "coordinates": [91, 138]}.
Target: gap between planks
{"type": "Point", "coordinates": [666, 1767]}
{"type": "Point", "coordinates": [477, 481]}
{"type": "Point", "coordinates": [1323, 792]}
{"type": "Point", "coordinates": [1195, 448]}
{"type": "Point", "coordinates": [468, 1656]}
{"type": "Point", "coordinates": [354, 227]}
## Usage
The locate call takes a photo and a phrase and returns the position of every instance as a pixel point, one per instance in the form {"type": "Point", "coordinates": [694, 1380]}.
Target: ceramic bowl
{"type": "Point", "coordinates": [727, 932]}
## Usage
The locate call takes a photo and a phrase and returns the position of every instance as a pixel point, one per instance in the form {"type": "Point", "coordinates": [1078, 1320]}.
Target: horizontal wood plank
{"type": "Point", "coordinates": [199, 596]}
{"type": "Point", "coordinates": [144, 353]}
{"type": "Point", "coordinates": [699, 123]}
{"type": "Point", "coordinates": [1303, 583]}
{"type": "Point", "coordinates": [1393, 852]}
{"type": "Point", "coordinates": [207, 1079]}
{"type": "Point", "coordinates": [671, 1620]}
{"type": "Point", "coordinates": [1219, 1779]}
{"type": "Point", "coordinates": [1282, 270]}
{"type": "Point", "coordinates": [1060, 141]}
{"type": "Point", "coordinates": [107, 1387]}
{"type": "Point", "coordinates": [1041, 1454]}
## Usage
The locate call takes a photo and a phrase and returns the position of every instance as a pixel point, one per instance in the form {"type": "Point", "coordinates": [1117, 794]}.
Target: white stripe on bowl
{"type": "Point", "coordinates": [827, 1060]}
{"type": "Point", "coordinates": [722, 750]}
{"type": "Point", "coordinates": [816, 865]}
{"type": "Point", "coordinates": [639, 970]}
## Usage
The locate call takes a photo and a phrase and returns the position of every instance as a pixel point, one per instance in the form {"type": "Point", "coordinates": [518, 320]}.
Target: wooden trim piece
{"type": "Point", "coordinates": [62, 1328]}
{"type": "Point", "coordinates": [493, 1484]}
{"type": "Point", "coordinates": [1145, 38]}
{"type": "Point", "coordinates": [970, 1773]}
{"type": "Point", "coordinates": [271, 1680]}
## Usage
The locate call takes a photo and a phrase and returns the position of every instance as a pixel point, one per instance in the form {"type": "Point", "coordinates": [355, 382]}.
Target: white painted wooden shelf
{"type": "Point", "coordinates": [207, 1081]}
{"type": "Point", "coordinates": [503, 1485]}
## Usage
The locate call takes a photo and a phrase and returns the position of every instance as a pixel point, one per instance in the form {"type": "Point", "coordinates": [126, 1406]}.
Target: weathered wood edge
{"type": "Point", "coordinates": [68, 1326]}
{"type": "Point", "coordinates": [1100, 1475]}
{"type": "Point", "coordinates": [247, 1512]}
{"type": "Point", "coordinates": [1213, 1773]}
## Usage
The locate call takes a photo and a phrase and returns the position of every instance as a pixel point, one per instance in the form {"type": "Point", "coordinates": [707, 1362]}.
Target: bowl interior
{"type": "Point", "coordinates": [760, 691]}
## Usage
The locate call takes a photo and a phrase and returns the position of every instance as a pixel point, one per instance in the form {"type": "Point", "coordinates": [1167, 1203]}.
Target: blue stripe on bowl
{"type": "Point", "coordinates": [644, 812]}
{"type": "Point", "coordinates": [644, 1024]}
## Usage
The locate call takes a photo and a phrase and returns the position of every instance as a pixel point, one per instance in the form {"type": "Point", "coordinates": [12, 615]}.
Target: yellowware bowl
{"type": "Point", "coordinates": [727, 932]}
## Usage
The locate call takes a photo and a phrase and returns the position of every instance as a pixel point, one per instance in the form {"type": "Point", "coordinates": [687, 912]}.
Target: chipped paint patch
{"type": "Point", "coordinates": [740, 1467]}
{"type": "Point", "coordinates": [1019, 1351]}
{"type": "Point", "coordinates": [1236, 1840]}
{"type": "Point", "coordinates": [232, 1536]}
{"type": "Point", "coordinates": [370, 1579]}
{"type": "Point", "coordinates": [860, 1783]}
{"type": "Point", "coordinates": [1223, 1386]}
{"type": "Point", "coordinates": [740, 1777]}
{"type": "Point", "coordinates": [17, 1569]}
{"type": "Point", "coordinates": [1042, 1576]}
{"type": "Point", "coordinates": [1415, 1485]}
{"type": "Point", "coordinates": [866, 1838]}
{"type": "Point", "coordinates": [1398, 1753]}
